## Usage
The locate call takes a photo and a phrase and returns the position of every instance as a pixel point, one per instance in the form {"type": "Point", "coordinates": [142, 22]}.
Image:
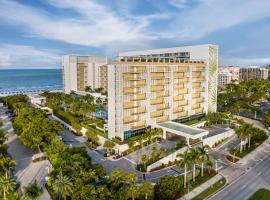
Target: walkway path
{"type": "Point", "coordinates": [202, 187]}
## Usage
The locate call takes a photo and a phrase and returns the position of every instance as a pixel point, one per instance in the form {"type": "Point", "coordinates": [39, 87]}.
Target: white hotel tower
{"type": "Point", "coordinates": [146, 88]}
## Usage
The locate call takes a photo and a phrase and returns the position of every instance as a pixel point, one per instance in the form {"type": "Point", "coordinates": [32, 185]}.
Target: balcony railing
{"type": "Point", "coordinates": [138, 83]}
{"type": "Point", "coordinates": [156, 114]}
{"type": "Point", "coordinates": [162, 106]}
{"type": "Point", "coordinates": [182, 114]}
{"type": "Point", "coordinates": [155, 88]}
{"type": "Point", "coordinates": [157, 75]}
{"type": "Point", "coordinates": [183, 91]}
{"type": "Point", "coordinates": [137, 97]}
{"type": "Point", "coordinates": [130, 90]}
{"type": "Point", "coordinates": [156, 101]}
{"type": "Point", "coordinates": [131, 76]}
{"type": "Point", "coordinates": [137, 125]}
{"type": "Point", "coordinates": [137, 111]}
{"type": "Point", "coordinates": [130, 104]}
{"type": "Point", "coordinates": [177, 109]}
{"type": "Point", "coordinates": [162, 119]}
{"type": "Point", "coordinates": [162, 94]}
{"type": "Point", "coordinates": [138, 69]}
{"type": "Point", "coordinates": [130, 119]}
{"type": "Point", "coordinates": [178, 98]}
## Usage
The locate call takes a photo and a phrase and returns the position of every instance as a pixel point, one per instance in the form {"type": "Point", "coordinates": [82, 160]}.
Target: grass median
{"type": "Point", "coordinates": [211, 190]}
{"type": "Point", "coordinates": [261, 194]}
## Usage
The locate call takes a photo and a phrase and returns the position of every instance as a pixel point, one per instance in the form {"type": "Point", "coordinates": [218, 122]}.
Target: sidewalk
{"type": "Point", "coordinates": [202, 187]}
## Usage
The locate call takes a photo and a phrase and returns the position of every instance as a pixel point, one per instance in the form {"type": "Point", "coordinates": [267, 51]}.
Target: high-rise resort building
{"type": "Point", "coordinates": [253, 72]}
{"type": "Point", "coordinates": [82, 71]}
{"type": "Point", "coordinates": [147, 88]}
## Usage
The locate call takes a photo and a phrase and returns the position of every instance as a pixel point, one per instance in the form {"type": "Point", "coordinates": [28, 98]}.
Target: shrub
{"type": "Point", "coordinates": [68, 118]}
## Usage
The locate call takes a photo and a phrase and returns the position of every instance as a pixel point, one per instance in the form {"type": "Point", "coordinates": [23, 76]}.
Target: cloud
{"type": "Point", "coordinates": [244, 62]}
{"type": "Point", "coordinates": [209, 16]}
{"type": "Point", "coordinates": [95, 26]}
{"type": "Point", "coordinates": [178, 3]}
{"type": "Point", "coordinates": [27, 56]}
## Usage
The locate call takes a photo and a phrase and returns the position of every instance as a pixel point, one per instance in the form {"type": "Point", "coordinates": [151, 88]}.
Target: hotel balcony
{"type": "Point", "coordinates": [198, 110]}
{"type": "Point", "coordinates": [162, 94]}
{"type": "Point", "coordinates": [156, 114]}
{"type": "Point", "coordinates": [199, 100]}
{"type": "Point", "coordinates": [137, 125]}
{"type": "Point", "coordinates": [195, 106]}
{"type": "Point", "coordinates": [137, 97]}
{"type": "Point", "coordinates": [156, 101]}
{"type": "Point", "coordinates": [182, 68]}
{"type": "Point", "coordinates": [182, 114]}
{"type": "Point", "coordinates": [157, 75]}
{"type": "Point", "coordinates": [131, 76]}
{"type": "Point", "coordinates": [156, 88]}
{"type": "Point", "coordinates": [183, 91]}
{"type": "Point", "coordinates": [130, 90]}
{"type": "Point", "coordinates": [196, 85]}
{"type": "Point", "coordinates": [137, 69]}
{"type": "Point", "coordinates": [182, 80]}
{"type": "Point", "coordinates": [178, 86]}
{"type": "Point", "coordinates": [178, 74]}
{"type": "Point", "coordinates": [130, 119]}
{"type": "Point", "coordinates": [130, 104]}
{"type": "Point", "coordinates": [162, 68]}
{"type": "Point", "coordinates": [183, 103]}
{"type": "Point", "coordinates": [198, 68]}
{"type": "Point", "coordinates": [178, 98]}
{"type": "Point", "coordinates": [162, 106]}
{"type": "Point", "coordinates": [137, 83]}
{"type": "Point", "coordinates": [196, 74]}
{"type": "Point", "coordinates": [162, 119]}
{"type": "Point", "coordinates": [201, 89]}
{"type": "Point", "coordinates": [196, 95]}
{"type": "Point", "coordinates": [202, 78]}
{"type": "Point", "coordinates": [177, 109]}
{"type": "Point", "coordinates": [137, 111]}
{"type": "Point", "coordinates": [162, 81]}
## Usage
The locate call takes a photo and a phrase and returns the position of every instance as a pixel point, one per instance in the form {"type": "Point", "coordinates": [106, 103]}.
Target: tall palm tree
{"type": "Point", "coordinates": [184, 162]}
{"type": "Point", "coordinates": [194, 156]}
{"type": "Point", "coordinates": [63, 186]}
{"type": "Point", "coordinates": [7, 184]}
{"type": "Point", "coordinates": [203, 156]}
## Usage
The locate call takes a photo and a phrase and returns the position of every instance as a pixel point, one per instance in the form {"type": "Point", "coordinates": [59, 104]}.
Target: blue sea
{"type": "Point", "coordinates": [30, 79]}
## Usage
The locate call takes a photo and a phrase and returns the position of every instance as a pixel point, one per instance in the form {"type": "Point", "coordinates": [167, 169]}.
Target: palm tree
{"type": "Point", "coordinates": [7, 184]}
{"type": "Point", "coordinates": [203, 156]}
{"type": "Point", "coordinates": [146, 189]}
{"type": "Point", "coordinates": [209, 165]}
{"type": "Point", "coordinates": [194, 156]}
{"type": "Point", "coordinates": [63, 186]}
{"type": "Point", "coordinates": [33, 191]}
{"type": "Point", "coordinates": [184, 162]}
{"type": "Point", "coordinates": [144, 159]}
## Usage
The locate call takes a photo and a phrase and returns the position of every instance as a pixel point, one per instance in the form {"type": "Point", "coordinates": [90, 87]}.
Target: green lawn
{"type": "Point", "coordinates": [190, 122]}
{"type": "Point", "coordinates": [199, 180]}
{"type": "Point", "coordinates": [261, 194]}
{"type": "Point", "coordinates": [211, 190]}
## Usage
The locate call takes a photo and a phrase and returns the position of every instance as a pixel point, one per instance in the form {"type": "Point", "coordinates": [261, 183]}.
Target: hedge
{"type": "Point", "coordinates": [68, 118]}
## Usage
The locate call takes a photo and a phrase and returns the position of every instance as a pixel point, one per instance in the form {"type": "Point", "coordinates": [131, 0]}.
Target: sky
{"type": "Point", "coordinates": [37, 33]}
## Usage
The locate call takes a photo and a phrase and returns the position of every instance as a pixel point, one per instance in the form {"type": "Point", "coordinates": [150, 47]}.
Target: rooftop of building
{"type": "Point", "coordinates": [156, 60]}
{"type": "Point", "coordinates": [183, 130]}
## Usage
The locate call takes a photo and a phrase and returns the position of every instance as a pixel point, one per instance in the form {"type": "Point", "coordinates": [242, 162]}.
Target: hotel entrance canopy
{"type": "Point", "coordinates": [182, 130]}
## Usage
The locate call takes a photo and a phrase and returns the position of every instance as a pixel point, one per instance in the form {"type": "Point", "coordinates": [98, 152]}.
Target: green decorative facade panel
{"type": "Point", "coordinates": [212, 79]}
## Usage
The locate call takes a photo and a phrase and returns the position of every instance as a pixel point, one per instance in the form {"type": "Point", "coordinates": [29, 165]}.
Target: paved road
{"type": "Point", "coordinates": [242, 188]}
{"type": "Point", "coordinates": [110, 165]}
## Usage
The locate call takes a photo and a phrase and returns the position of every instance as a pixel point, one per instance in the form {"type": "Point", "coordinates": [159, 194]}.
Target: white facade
{"type": "Point", "coordinates": [82, 71]}
{"type": "Point", "coordinates": [224, 78]}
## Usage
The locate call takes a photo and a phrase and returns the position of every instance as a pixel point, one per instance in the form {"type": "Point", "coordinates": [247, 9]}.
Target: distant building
{"type": "Point", "coordinates": [253, 72]}
{"type": "Point", "coordinates": [82, 71]}
{"type": "Point", "coordinates": [224, 78]}
{"type": "Point", "coordinates": [234, 71]}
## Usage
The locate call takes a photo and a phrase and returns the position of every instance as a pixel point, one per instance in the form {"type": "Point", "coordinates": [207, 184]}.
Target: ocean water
{"type": "Point", "coordinates": [30, 79]}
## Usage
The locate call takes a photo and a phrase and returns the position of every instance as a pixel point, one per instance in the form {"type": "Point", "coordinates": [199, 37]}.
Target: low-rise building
{"type": "Point", "coordinates": [253, 72]}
